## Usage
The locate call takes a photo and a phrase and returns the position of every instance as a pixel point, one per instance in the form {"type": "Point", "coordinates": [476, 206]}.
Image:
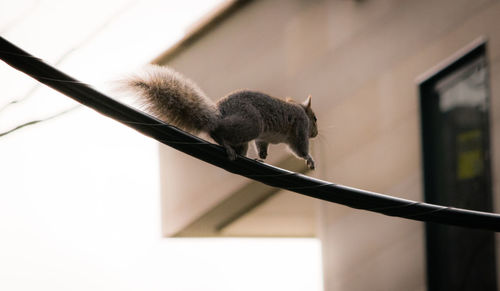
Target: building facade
{"type": "Point", "coordinates": [363, 62]}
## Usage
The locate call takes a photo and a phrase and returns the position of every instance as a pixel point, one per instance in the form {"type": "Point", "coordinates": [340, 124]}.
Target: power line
{"type": "Point", "coordinates": [249, 168]}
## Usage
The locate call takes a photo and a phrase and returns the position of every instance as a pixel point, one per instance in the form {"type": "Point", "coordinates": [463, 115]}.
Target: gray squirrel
{"type": "Point", "coordinates": [234, 121]}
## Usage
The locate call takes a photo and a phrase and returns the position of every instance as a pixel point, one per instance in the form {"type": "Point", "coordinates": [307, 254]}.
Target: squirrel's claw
{"type": "Point", "coordinates": [310, 163]}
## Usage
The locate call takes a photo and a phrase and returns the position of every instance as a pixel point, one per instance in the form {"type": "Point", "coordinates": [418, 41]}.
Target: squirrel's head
{"type": "Point", "coordinates": [313, 127]}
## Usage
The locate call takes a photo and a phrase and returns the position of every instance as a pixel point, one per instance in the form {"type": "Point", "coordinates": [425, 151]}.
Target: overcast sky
{"type": "Point", "coordinates": [79, 194]}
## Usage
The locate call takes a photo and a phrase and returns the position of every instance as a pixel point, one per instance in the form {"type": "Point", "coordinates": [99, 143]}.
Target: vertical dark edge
{"type": "Point", "coordinates": [427, 99]}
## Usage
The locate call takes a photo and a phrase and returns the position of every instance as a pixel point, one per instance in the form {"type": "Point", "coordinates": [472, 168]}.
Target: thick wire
{"type": "Point", "coordinates": [216, 155]}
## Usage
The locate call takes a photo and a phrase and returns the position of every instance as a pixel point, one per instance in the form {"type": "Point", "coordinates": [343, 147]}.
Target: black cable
{"type": "Point", "coordinates": [216, 155]}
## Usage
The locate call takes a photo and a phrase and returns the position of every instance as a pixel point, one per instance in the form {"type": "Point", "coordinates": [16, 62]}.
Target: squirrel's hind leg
{"type": "Point", "coordinates": [241, 149]}
{"type": "Point", "coordinates": [234, 132]}
{"type": "Point", "coordinates": [231, 153]}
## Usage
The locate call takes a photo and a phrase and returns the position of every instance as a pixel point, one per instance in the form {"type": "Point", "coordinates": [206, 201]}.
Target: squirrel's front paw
{"type": "Point", "coordinates": [310, 163]}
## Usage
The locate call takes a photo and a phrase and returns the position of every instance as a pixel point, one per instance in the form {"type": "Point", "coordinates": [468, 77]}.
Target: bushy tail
{"type": "Point", "coordinates": [174, 99]}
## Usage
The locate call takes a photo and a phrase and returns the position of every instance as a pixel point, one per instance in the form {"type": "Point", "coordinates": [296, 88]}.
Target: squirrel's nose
{"type": "Point", "coordinates": [314, 132]}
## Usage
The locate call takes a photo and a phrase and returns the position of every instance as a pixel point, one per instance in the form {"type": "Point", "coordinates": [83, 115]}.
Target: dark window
{"type": "Point", "coordinates": [456, 160]}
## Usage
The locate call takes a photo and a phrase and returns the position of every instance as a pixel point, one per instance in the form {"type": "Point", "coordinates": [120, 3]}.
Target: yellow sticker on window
{"type": "Point", "coordinates": [470, 157]}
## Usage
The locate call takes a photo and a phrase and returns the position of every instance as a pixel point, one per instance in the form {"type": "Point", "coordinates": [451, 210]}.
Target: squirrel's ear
{"type": "Point", "coordinates": [307, 103]}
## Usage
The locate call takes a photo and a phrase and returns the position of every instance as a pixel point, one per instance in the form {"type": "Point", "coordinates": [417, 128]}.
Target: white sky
{"type": "Point", "coordinates": [79, 195]}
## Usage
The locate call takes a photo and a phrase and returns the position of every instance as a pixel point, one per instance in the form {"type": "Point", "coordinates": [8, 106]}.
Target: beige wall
{"type": "Point", "coordinates": [361, 247]}
{"type": "Point", "coordinates": [360, 61]}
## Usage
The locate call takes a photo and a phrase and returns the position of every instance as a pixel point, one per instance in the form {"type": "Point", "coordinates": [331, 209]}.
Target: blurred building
{"type": "Point", "coordinates": [369, 65]}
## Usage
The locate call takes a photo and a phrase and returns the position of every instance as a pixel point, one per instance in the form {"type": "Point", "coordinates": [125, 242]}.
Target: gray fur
{"type": "Point", "coordinates": [235, 120]}
{"type": "Point", "coordinates": [175, 99]}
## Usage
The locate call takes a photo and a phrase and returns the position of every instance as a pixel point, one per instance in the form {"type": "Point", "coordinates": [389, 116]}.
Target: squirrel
{"type": "Point", "coordinates": [232, 122]}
